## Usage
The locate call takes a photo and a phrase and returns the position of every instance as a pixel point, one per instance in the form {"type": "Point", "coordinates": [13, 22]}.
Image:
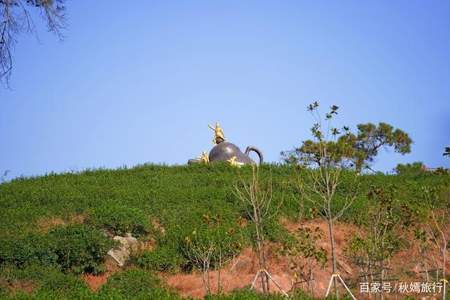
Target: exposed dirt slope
{"type": "Point", "coordinates": [241, 271]}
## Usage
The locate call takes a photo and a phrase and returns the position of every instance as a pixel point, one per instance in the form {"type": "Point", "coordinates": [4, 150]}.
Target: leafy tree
{"type": "Point", "coordinates": [371, 138]}
{"type": "Point", "coordinates": [371, 252]}
{"type": "Point", "coordinates": [304, 255]}
{"type": "Point", "coordinates": [256, 195]}
{"type": "Point", "coordinates": [320, 185]}
{"type": "Point", "coordinates": [411, 168]}
{"type": "Point", "coordinates": [437, 227]}
{"type": "Point", "coordinates": [16, 17]}
{"type": "Point", "coordinates": [353, 150]}
{"type": "Point", "coordinates": [209, 248]}
{"type": "Point", "coordinates": [425, 247]}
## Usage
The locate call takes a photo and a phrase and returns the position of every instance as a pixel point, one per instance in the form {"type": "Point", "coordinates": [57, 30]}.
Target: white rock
{"type": "Point", "coordinates": [121, 253]}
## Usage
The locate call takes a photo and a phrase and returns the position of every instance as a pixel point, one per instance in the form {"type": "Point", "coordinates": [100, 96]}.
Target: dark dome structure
{"type": "Point", "coordinates": [225, 151]}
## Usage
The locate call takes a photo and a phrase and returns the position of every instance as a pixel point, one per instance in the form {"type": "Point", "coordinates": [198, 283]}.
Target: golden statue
{"type": "Point", "coordinates": [219, 137]}
{"type": "Point", "coordinates": [204, 158]}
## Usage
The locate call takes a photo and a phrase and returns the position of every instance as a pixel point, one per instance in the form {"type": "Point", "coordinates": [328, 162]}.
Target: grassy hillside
{"type": "Point", "coordinates": [51, 227]}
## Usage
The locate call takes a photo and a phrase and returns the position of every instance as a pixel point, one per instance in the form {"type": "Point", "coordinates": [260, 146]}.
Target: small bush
{"type": "Point", "coordinates": [32, 248]}
{"type": "Point", "coordinates": [79, 248]}
{"type": "Point", "coordinates": [274, 231]}
{"type": "Point", "coordinates": [135, 284]}
{"type": "Point", "coordinates": [120, 219]}
{"type": "Point", "coordinates": [415, 168]}
{"type": "Point", "coordinates": [48, 283]}
{"type": "Point", "coordinates": [223, 240]}
{"type": "Point", "coordinates": [161, 259]}
{"type": "Point", "coordinates": [73, 248]}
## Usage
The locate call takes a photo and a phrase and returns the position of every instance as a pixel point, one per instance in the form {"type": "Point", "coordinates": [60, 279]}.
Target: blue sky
{"type": "Point", "coordinates": [139, 83]}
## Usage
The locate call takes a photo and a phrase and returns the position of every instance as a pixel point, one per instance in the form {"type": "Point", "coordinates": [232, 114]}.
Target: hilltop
{"type": "Point", "coordinates": [55, 228]}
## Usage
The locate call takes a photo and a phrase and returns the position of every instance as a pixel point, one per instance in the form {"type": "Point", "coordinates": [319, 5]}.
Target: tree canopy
{"type": "Point", "coordinates": [351, 150]}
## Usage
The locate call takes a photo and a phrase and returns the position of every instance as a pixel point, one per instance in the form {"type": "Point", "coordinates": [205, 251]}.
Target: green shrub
{"type": "Point", "coordinates": [224, 240]}
{"type": "Point", "coordinates": [120, 219]}
{"type": "Point", "coordinates": [415, 168]}
{"type": "Point", "coordinates": [162, 259]}
{"type": "Point", "coordinates": [135, 284]}
{"type": "Point", "coordinates": [247, 294]}
{"type": "Point", "coordinates": [73, 248]}
{"type": "Point", "coordinates": [274, 231]}
{"type": "Point", "coordinates": [33, 248]}
{"type": "Point", "coordinates": [79, 248]}
{"type": "Point", "coordinates": [47, 282]}
{"type": "Point", "coordinates": [299, 294]}
{"type": "Point", "coordinates": [345, 296]}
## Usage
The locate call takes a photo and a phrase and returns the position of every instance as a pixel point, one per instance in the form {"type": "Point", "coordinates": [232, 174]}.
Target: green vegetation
{"type": "Point", "coordinates": [415, 168]}
{"type": "Point", "coordinates": [246, 294]}
{"type": "Point", "coordinates": [43, 283]}
{"type": "Point", "coordinates": [73, 248]}
{"type": "Point", "coordinates": [119, 219]}
{"type": "Point", "coordinates": [354, 150]}
{"type": "Point", "coordinates": [177, 206]}
{"type": "Point", "coordinates": [135, 284]}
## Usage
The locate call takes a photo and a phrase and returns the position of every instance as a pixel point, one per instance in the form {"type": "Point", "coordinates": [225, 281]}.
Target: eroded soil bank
{"type": "Point", "coordinates": [241, 270]}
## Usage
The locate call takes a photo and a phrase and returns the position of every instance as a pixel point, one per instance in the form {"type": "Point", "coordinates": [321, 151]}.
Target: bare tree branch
{"type": "Point", "coordinates": [16, 18]}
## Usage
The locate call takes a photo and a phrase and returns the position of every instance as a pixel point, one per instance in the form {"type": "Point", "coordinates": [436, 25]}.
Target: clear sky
{"type": "Point", "coordinates": [139, 83]}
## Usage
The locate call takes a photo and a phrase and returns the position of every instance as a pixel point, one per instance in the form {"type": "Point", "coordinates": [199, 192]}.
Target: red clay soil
{"type": "Point", "coordinates": [241, 271]}
{"type": "Point", "coordinates": [96, 281]}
